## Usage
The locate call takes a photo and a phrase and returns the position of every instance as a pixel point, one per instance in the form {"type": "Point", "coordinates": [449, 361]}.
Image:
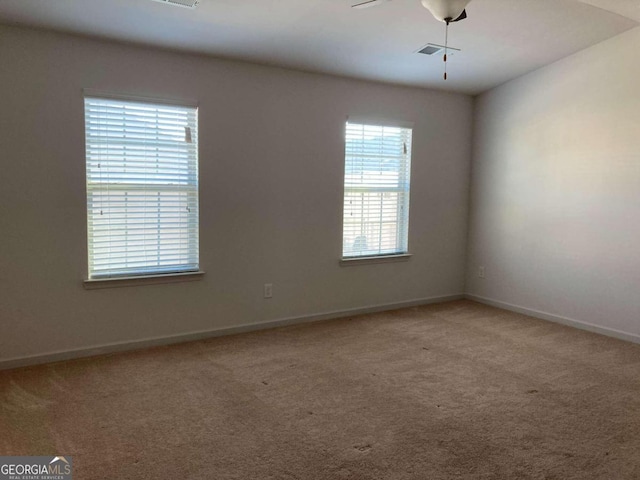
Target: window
{"type": "Point", "coordinates": [376, 190]}
{"type": "Point", "coordinates": [142, 188]}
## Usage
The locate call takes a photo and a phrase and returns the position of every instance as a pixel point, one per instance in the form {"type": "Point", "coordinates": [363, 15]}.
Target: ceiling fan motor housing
{"type": "Point", "coordinates": [444, 10]}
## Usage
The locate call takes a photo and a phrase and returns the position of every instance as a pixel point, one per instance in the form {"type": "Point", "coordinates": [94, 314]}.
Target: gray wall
{"type": "Point", "coordinates": [556, 189]}
{"type": "Point", "coordinates": [271, 171]}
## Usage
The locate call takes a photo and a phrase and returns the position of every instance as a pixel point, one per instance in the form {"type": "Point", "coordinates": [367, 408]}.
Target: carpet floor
{"type": "Point", "coordinates": [456, 390]}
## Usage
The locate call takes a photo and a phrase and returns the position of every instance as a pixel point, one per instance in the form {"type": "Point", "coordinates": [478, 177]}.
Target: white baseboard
{"type": "Point", "coordinates": [201, 335]}
{"type": "Point", "coordinates": [610, 332]}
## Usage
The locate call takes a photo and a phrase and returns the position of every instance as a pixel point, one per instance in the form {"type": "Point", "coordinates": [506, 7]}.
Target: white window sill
{"type": "Point", "coordinates": [115, 282]}
{"type": "Point", "coordinates": [353, 261]}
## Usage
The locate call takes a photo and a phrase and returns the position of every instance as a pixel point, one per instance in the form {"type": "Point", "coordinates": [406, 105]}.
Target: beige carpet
{"type": "Point", "coordinates": [450, 391]}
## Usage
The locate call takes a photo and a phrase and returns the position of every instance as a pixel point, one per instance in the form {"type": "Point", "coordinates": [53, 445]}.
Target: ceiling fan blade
{"type": "Point", "coordinates": [369, 3]}
{"type": "Point", "coordinates": [462, 16]}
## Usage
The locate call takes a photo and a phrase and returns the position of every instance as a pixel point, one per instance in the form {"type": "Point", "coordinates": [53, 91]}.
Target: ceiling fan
{"type": "Point", "coordinates": [447, 11]}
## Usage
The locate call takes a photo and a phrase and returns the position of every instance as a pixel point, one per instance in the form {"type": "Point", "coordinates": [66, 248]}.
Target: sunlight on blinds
{"type": "Point", "coordinates": [142, 188]}
{"type": "Point", "coordinates": [376, 190]}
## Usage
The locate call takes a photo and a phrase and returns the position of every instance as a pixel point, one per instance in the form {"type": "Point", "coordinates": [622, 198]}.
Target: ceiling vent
{"type": "Point", "coordinates": [434, 49]}
{"type": "Point", "coordinates": [180, 3]}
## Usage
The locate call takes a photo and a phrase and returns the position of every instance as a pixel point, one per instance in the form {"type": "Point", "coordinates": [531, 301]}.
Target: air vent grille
{"type": "Point", "coordinates": [437, 50]}
{"type": "Point", "coordinates": [430, 50]}
{"type": "Point", "coordinates": [180, 3]}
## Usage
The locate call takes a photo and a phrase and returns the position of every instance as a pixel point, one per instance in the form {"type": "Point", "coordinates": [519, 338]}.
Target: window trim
{"type": "Point", "coordinates": [134, 281]}
{"type": "Point", "coordinates": [382, 258]}
{"type": "Point", "coordinates": [379, 121]}
{"type": "Point", "coordinates": [151, 278]}
{"type": "Point", "coordinates": [178, 102]}
{"type": "Point", "coordinates": [389, 258]}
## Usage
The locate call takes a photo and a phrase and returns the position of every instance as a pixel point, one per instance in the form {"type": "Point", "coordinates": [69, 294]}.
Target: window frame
{"type": "Point", "coordinates": [154, 275]}
{"type": "Point", "coordinates": [397, 256]}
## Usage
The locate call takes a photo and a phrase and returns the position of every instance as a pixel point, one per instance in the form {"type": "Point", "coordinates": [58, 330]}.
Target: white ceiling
{"type": "Point", "coordinates": [501, 39]}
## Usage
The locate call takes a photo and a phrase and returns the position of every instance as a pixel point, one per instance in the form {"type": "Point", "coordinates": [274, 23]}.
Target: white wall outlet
{"type": "Point", "coordinates": [481, 272]}
{"type": "Point", "coordinates": [268, 290]}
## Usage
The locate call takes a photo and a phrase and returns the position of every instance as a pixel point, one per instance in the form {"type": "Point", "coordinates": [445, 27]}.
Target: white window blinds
{"type": "Point", "coordinates": [376, 190]}
{"type": "Point", "coordinates": [142, 187]}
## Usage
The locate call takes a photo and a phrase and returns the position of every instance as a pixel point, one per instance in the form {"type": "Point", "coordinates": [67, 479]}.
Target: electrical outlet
{"type": "Point", "coordinates": [481, 272]}
{"type": "Point", "coordinates": [268, 290]}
